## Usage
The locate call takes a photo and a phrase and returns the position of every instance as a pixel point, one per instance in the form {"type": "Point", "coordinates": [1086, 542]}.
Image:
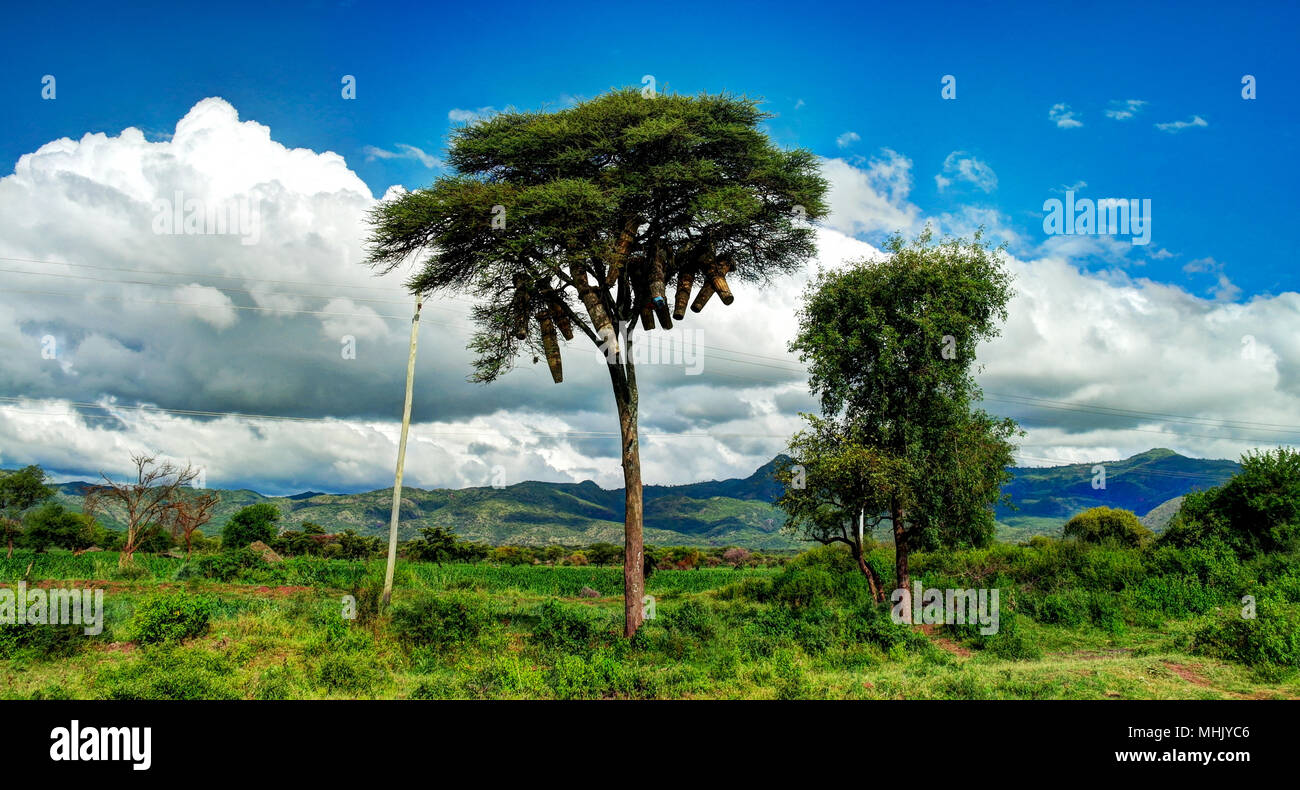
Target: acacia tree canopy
{"type": "Point", "coordinates": [584, 217]}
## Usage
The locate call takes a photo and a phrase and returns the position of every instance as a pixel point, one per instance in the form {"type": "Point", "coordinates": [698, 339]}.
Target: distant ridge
{"type": "Point", "coordinates": [737, 511]}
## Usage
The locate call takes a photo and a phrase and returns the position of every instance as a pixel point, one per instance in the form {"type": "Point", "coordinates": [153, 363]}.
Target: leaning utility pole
{"type": "Point", "coordinates": [401, 455]}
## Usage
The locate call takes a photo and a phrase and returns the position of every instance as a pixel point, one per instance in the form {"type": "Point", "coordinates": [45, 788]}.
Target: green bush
{"type": "Point", "coordinates": [690, 618]}
{"type": "Point", "coordinates": [1104, 525]}
{"type": "Point", "coordinates": [169, 672]}
{"type": "Point", "coordinates": [170, 618]}
{"type": "Point", "coordinates": [1175, 596]}
{"type": "Point", "coordinates": [41, 642]}
{"type": "Point", "coordinates": [560, 627]}
{"type": "Point", "coordinates": [255, 522]}
{"type": "Point", "coordinates": [599, 675]}
{"type": "Point", "coordinates": [1011, 642]}
{"type": "Point", "coordinates": [1269, 642]}
{"type": "Point", "coordinates": [441, 621]}
{"type": "Point", "coordinates": [349, 673]}
{"type": "Point", "coordinates": [227, 566]}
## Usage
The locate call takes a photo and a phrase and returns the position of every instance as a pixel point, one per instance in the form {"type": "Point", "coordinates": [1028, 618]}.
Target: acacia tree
{"type": "Point", "coordinates": [581, 219]}
{"type": "Point", "coordinates": [19, 491]}
{"type": "Point", "coordinates": [188, 513]}
{"type": "Point", "coordinates": [890, 347]}
{"type": "Point", "coordinates": [143, 504]}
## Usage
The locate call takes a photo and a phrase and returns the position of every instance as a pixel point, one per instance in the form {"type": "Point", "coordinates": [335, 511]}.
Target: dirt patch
{"type": "Point", "coordinates": [944, 642]}
{"type": "Point", "coordinates": [1190, 675]}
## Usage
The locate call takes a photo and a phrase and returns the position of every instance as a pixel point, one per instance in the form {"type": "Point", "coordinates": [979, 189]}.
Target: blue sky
{"type": "Point", "coordinates": [1221, 191]}
{"type": "Point", "coordinates": [1190, 342]}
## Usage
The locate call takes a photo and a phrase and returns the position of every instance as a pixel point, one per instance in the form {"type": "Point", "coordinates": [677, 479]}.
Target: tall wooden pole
{"type": "Point", "coordinates": [401, 455]}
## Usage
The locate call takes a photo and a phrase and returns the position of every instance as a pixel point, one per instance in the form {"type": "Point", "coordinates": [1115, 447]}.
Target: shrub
{"type": "Point", "coordinates": [1107, 525]}
{"type": "Point", "coordinates": [562, 628]}
{"type": "Point", "coordinates": [169, 672]}
{"type": "Point", "coordinates": [798, 587]}
{"type": "Point", "coordinates": [255, 522]}
{"type": "Point", "coordinates": [1269, 643]}
{"type": "Point", "coordinates": [691, 618]}
{"type": "Point", "coordinates": [347, 672]}
{"type": "Point", "coordinates": [440, 620]}
{"type": "Point", "coordinates": [226, 566]}
{"type": "Point", "coordinates": [170, 618]}
{"type": "Point", "coordinates": [40, 642]}
{"type": "Point", "coordinates": [600, 675]}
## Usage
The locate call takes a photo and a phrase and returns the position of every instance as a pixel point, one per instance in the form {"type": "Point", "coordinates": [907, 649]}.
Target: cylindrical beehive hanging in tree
{"type": "Point", "coordinates": [622, 248]}
{"type": "Point", "coordinates": [551, 346]}
{"type": "Point", "coordinates": [718, 277]}
{"type": "Point", "coordinates": [561, 319]}
{"type": "Point", "coordinates": [599, 318]}
{"type": "Point", "coordinates": [685, 280]}
{"type": "Point", "coordinates": [658, 300]}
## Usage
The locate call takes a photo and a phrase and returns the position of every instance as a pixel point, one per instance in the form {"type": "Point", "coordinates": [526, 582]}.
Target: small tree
{"type": "Point", "coordinates": [18, 492]}
{"type": "Point", "coordinates": [1107, 525]}
{"type": "Point", "coordinates": [1255, 512]}
{"type": "Point", "coordinates": [54, 525]}
{"type": "Point", "coordinates": [187, 514]}
{"type": "Point", "coordinates": [890, 346]}
{"type": "Point", "coordinates": [253, 523]}
{"type": "Point", "coordinates": [143, 504]}
{"type": "Point", "coordinates": [436, 545]}
{"type": "Point", "coordinates": [581, 220]}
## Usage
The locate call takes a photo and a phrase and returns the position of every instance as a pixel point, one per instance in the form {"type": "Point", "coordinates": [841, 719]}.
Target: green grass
{"type": "Point", "coordinates": [521, 632]}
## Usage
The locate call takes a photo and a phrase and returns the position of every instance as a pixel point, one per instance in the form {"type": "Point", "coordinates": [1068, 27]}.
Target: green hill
{"type": "Point", "coordinates": [713, 513]}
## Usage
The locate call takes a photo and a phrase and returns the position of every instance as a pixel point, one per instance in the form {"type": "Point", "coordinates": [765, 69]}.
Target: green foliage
{"type": "Point", "coordinates": [441, 621]}
{"type": "Point", "coordinates": [1256, 512]}
{"type": "Point", "coordinates": [253, 523]}
{"type": "Point", "coordinates": [565, 628]}
{"type": "Point", "coordinates": [1269, 642]}
{"type": "Point", "coordinates": [41, 642]}
{"type": "Point", "coordinates": [890, 346]}
{"type": "Point", "coordinates": [1107, 525]}
{"type": "Point", "coordinates": [698, 171]}
{"type": "Point", "coordinates": [19, 491]}
{"type": "Point", "coordinates": [169, 671]}
{"type": "Point", "coordinates": [170, 618]}
{"type": "Point", "coordinates": [54, 526]}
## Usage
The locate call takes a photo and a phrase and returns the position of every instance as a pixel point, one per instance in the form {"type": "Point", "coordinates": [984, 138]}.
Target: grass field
{"type": "Point", "coordinates": [174, 630]}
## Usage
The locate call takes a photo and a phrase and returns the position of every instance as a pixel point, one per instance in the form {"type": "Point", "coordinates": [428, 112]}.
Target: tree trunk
{"type": "Point", "coordinates": [903, 579]}
{"type": "Point", "coordinates": [633, 548]}
{"type": "Point", "coordinates": [873, 580]}
{"type": "Point", "coordinates": [11, 547]}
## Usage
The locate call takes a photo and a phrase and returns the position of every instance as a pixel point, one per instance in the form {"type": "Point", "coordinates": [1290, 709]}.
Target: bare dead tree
{"type": "Point", "coordinates": [145, 504]}
{"type": "Point", "coordinates": [187, 514]}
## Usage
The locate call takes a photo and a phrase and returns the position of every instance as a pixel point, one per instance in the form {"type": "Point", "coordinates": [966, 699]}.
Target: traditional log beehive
{"type": "Point", "coordinates": [551, 346]}
{"type": "Point", "coordinates": [647, 272]}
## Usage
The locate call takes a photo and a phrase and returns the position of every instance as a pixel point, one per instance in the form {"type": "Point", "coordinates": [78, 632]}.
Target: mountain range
{"type": "Point", "coordinates": [734, 512]}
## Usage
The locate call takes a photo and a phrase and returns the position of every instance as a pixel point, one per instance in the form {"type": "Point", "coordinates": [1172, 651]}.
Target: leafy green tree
{"type": "Point", "coordinates": [355, 546]}
{"type": "Point", "coordinates": [890, 347]}
{"type": "Point", "coordinates": [1255, 512]}
{"type": "Point", "coordinates": [1107, 525]}
{"type": "Point", "coordinates": [253, 523]}
{"type": "Point", "coordinates": [54, 525]}
{"type": "Point", "coordinates": [584, 217]}
{"type": "Point", "coordinates": [436, 544]}
{"type": "Point", "coordinates": [19, 491]}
